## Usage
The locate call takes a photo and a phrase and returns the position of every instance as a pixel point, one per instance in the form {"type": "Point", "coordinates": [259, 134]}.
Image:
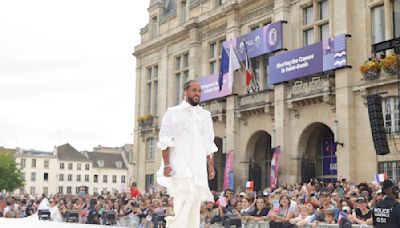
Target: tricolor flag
{"type": "Point", "coordinates": [275, 167]}
{"type": "Point", "coordinates": [249, 186]}
{"type": "Point", "coordinates": [379, 178]}
{"type": "Point", "coordinates": [229, 63]}
{"type": "Point", "coordinates": [221, 201]}
{"type": "Point", "coordinates": [249, 69]}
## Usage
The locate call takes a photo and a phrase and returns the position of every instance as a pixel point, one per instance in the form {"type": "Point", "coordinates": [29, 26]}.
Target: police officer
{"type": "Point", "coordinates": [387, 212]}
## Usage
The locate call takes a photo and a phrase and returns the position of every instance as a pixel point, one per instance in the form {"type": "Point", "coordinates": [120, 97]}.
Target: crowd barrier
{"type": "Point", "coordinates": [252, 224]}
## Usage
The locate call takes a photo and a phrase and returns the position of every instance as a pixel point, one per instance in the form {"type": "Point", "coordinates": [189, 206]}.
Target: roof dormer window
{"type": "Point", "coordinates": [118, 164]}
{"type": "Point", "coordinates": [100, 163]}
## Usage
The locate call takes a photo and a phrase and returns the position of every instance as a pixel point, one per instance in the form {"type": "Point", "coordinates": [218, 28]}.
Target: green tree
{"type": "Point", "coordinates": [10, 174]}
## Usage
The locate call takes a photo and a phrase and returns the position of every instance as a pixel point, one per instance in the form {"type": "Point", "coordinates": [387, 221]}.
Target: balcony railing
{"type": "Point", "coordinates": [147, 122]}
{"type": "Point", "coordinates": [216, 108]}
{"type": "Point", "coordinates": [256, 99]}
{"type": "Point", "coordinates": [314, 87]}
{"type": "Point", "coordinates": [256, 103]}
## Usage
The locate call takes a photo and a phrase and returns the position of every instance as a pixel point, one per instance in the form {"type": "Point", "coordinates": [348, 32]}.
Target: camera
{"type": "Point", "coordinates": [44, 214]}
{"type": "Point", "coordinates": [108, 218]}
{"type": "Point", "coordinates": [72, 216]}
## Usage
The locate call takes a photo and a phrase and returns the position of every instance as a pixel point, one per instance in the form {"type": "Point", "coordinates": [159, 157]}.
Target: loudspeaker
{"type": "Point", "coordinates": [377, 124]}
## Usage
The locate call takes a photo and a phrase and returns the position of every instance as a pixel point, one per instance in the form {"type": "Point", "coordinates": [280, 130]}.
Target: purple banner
{"type": "Point", "coordinates": [316, 58]}
{"type": "Point", "coordinates": [263, 40]}
{"type": "Point", "coordinates": [329, 161]}
{"type": "Point", "coordinates": [228, 169]}
{"type": "Point", "coordinates": [210, 89]}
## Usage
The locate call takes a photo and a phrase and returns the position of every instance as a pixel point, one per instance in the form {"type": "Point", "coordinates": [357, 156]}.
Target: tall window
{"type": "Point", "coordinates": [33, 176]}
{"type": "Point", "coordinates": [69, 190]}
{"type": "Point", "coordinates": [316, 22]}
{"type": "Point", "coordinates": [391, 115]}
{"type": "Point", "coordinates": [45, 176]}
{"type": "Point", "coordinates": [308, 37]}
{"type": "Point", "coordinates": [69, 177]}
{"type": "Point", "coordinates": [60, 189]}
{"type": "Point", "coordinates": [324, 9]}
{"type": "Point", "coordinates": [77, 190]}
{"type": "Point", "coordinates": [61, 177]}
{"type": "Point", "coordinates": [86, 166]}
{"type": "Point", "coordinates": [114, 178]}
{"type": "Point", "coordinates": [214, 59]}
{"type": "Point", "coordinates": [149, 181]}
{"type": "Point", "coordinates": [123, 179]}
{"type": "Point", "coordinates": [78, 177]}
{"type": "Point", "coordinates": [86, 178]}
{"type": "Point", "coordinates": [45, 191]}
{"type": "Point", "coordinates": [150, 148]}
{"type": "Point", "coordinates": [79, 166]}
{"type": "Point", "coordinates": [46, 164]}
{"type": "Point", "coordinates": [378, 24]}
{"type": "Point", "coordinates": [69, 166]}
{"type": "Point", "coordinates": [61, 165]}
{"type": "Point", "coordinates": [308, 15]}
{"type": "Point", "coordinates": [23, 176]}
{"type": "Point", "coordinates": [324, 31]}
{"type": "Point", "coordinates": [32, 190]}
{"type": "Point", "coordinates": [95, 178]}
{"type": "Point", "coordinates": [392, 168]}
{"type": "Point", "coordinates": [260, 66]}
{"type": "Point", "coordinates": [34, 163]}
{"type": "Point", "coordinates": [396, 18]}
{"type": "Point", "coordinates": [104, 178]}
{"type": "Point", "coordinates": [181, 75]}
{"type": "Point", "coordinates": [154, 27]}
{"type": "Point", "coordinates": [152, 90]}
{"type": "Point", "coordinates": [23, 163]}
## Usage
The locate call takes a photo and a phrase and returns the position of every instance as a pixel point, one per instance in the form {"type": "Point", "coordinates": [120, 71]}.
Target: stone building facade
{"type": "Point", "coordinates": [320, 122]}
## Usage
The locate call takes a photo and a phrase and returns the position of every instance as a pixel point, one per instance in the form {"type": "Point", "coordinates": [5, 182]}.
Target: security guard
{"type": "Point", "coordinates": [387, 212]}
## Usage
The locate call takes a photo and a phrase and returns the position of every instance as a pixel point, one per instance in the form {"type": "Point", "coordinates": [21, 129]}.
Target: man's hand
{"type": "Point", "coordinates": [167, 171]}
{"type": "Point", "coordinates": [211, 173]}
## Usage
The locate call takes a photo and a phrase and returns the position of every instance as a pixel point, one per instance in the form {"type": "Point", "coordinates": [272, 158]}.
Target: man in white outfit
{"type": "Point", "coordinates": [187, 143]}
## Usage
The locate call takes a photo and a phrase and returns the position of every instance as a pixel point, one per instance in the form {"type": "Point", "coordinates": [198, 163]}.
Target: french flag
{"type": "Point", "coordinates": [249, 69]}
{"type": "Point", "coordinates": [229, 63]}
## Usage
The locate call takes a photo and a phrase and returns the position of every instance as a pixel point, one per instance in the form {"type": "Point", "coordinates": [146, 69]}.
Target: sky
{"type": "Point", "coordinates": [67, 73]}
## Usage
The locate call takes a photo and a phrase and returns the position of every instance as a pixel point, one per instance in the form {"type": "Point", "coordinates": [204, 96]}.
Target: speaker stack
{"type": "Point", "coordinates": [377, 124]}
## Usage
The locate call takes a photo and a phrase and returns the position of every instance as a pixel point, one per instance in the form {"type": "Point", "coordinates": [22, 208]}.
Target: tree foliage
{"type": "Point", "coordinates": [10, 174]}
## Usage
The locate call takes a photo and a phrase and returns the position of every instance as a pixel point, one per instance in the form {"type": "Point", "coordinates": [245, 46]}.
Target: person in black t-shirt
{"type": "Point", "coordinates": [387, 212]}
{"type": "Point", "coordinates": [362, 213]}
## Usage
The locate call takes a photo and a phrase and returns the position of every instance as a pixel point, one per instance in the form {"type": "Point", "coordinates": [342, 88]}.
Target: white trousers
{"type": "Point", "coordinates": [186, 204]}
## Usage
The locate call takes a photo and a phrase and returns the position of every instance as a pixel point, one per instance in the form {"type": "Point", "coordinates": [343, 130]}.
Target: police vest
{"type": "Point", "coordinates": [383, 214]}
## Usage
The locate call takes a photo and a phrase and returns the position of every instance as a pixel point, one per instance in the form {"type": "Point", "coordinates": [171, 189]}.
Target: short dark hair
{"type": "Point", "coordinates": [187, 84]}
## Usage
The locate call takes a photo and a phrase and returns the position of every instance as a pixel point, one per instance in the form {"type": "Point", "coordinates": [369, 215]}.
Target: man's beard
{"type": "Point", "coordinates": [191, 101]}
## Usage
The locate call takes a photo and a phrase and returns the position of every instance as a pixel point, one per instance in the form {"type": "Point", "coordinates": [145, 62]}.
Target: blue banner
{"type": "Point", "coordinates": [316, 58]}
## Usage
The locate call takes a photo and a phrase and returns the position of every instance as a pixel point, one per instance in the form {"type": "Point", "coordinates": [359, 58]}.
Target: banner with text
{"type": "Point", "coordinates": [210, 88]}
{"type": "Point", "coordinates": [262, 40]}
{"type": "Point", "coordinates": [316, 58]}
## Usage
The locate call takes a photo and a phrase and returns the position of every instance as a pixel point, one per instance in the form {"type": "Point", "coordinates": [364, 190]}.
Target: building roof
{"type": "Point", "coordinates": [35, 153]}
{"type": "Point", "coordinates": [68, 153]}
{"type": "Point", "coordinates": [6, 150]}
{"type": "Point", "coordinates": [107, 160]}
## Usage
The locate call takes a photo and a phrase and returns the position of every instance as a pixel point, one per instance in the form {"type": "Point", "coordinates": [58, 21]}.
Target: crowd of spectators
{"type": "Point", "coordinates": [290, 205]}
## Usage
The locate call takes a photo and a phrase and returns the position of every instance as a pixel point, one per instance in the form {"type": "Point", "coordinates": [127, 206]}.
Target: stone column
{"type": "Point", "coordinates": [345, 106]}
{"type": "Point", "coordinates": [194, 52]}
{"type": "Point", "coordinates": [288, 167]}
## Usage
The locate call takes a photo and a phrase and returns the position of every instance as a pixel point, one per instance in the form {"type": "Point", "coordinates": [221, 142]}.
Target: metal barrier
{"type": "Point", "coordinates": [252, 224]}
